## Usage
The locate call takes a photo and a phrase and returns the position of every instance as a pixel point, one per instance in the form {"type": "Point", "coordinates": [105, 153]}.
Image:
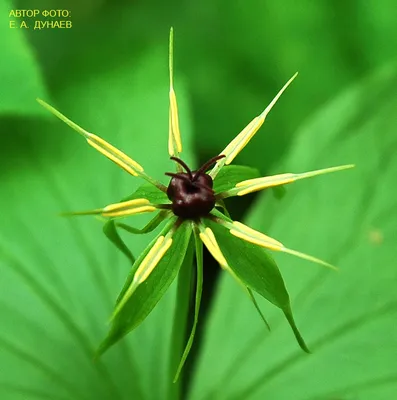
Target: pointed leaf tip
{"type": "Point", "coordinates": [299, 338]}
{"type": "Point", "coordinates": [257, 271]}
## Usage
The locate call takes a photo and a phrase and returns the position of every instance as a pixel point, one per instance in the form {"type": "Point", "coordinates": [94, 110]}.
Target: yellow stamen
{"type": "Point", "coordinates": [99, 144]}
{"type": "Point", "coordinates": [253, 185]}
{"type": "Point", "coordinates": [123, 209]}
{"type": "Point", "coordinates": [174, 121]}
{"type": "Point", "coordinates": [146, 267]}
{"type": "Point", "coordinates": [155, 254]}
{"type": "Point", "coordinates": [208, 238]}
{"type": "Point", "coordinates": [171, 148]}
{"type": "Point", "coordinates": [250, 235]}
{"type": "Point", "coordinates": [128, 212]}
{"type": "Point", "coordinates": [174, 139]}
{"type": "Point", "coordinates": [241, 140]}
{"type": "Point", "coordinates": [114, 154]}
{"type": "Point", "coordinates": [125, 204]}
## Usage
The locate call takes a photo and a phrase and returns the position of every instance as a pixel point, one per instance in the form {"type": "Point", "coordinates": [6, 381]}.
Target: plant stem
{"type": "Point", "coordinates": [179, 328]}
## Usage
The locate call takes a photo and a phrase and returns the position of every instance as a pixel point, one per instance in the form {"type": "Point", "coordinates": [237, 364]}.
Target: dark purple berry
{"type": "Point", "coordinates": [191, 192]}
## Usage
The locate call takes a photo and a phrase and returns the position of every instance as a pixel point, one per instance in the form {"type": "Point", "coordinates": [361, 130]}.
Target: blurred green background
{"type": "Point", "coordinates": [109, 73]}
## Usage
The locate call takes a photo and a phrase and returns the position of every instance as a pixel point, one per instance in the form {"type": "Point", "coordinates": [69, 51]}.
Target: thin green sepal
{"type": "Point", "coordinates": [110, 231]}
{"type": "Point", "coordinates": [199, 290]}
{"type": "Point", "coordinates": [288, 315]}
{"type": "Point", "coordinates": [149, 227]}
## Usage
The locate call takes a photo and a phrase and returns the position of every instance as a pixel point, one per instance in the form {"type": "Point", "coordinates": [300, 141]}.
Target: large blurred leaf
{"type": "Point", "coordinates": [20, 77]}
{"type": "Point", "coordinates": [60, 277]}
{"type": "Point", "coordinates": [242, 59]}
{"type": "Point", "coordinates": [349, 219]}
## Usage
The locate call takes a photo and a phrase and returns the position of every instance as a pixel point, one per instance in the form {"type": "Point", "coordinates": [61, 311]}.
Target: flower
{"type": "Point", "coordinates": [190, 205]}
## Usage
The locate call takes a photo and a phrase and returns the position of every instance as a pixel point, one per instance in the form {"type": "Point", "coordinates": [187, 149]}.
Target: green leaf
{"type": "Point", "coordinates": [252, 264]}
{"type": "Point", "coordinates": [150, 192]}
{"type": "Point", "coordinates": [348, 318]}
{"type": "Point", "coordinates": [257, 270]}
{"type": "Point", "coordinates": [149, 293]}
{"type": "Point", "coordinates": [20, 76]}
{"type": "Point", "coordinates": [342, 54]}
{"type": "Point", "coordinates": [229, 175]}
{"type": "Point", "coordinates": [60, 277]}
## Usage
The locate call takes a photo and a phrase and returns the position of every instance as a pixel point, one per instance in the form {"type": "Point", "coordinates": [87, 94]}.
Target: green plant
{"type": "Point", "coordinates": [158, 265]}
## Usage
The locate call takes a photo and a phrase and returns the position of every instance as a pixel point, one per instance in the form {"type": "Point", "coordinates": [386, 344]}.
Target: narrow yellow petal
{"type": "Point", "coordinates": [241, 140]}
{"type": "Point", "coordinates": [111, 152]}
{"type": "Point", "coordinates": [208, 238]}
{"type": "Point", "coordinates": [253, 185]}
{"type": "Point", "coordinates": [174, 139]}
{"type": "Point", "coordinates": [250, 235]}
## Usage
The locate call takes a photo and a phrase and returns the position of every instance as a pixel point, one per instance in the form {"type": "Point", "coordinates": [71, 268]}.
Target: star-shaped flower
{"type": "Point", "coordinates": [191, 204]}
